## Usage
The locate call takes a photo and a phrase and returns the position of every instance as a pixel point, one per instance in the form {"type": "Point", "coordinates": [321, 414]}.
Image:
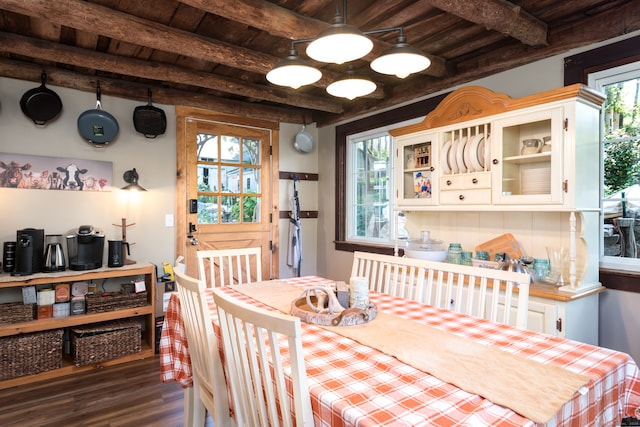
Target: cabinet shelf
{"type": "Point", "coordinates": [64, 322]}
{"type": "Point", "coordinates": [528, 158]}
{"type": "Point", "coordinates": [69, 368]}
{"type": "Point", "coordinates": [146, 314]}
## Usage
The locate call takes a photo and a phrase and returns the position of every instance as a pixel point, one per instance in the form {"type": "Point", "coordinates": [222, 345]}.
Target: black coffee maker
{"type": "Point", "coordinates": [29, 251]}
{"type": "Point", "coordinates": [85, 248]}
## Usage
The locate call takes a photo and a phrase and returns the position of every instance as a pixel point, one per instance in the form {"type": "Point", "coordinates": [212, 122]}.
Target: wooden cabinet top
{"type": "Point", "coordinates": [475, 102]}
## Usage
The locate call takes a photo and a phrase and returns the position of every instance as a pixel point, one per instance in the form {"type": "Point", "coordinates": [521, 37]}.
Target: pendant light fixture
{"type": "Point", "coordinates": [351, 87]}
{"type": "Point", "coordinates": [401, 59]}
{"type": "Point", "coordinates": [341, 43]}
{"type": "Point", "coordinates": [294, 71]}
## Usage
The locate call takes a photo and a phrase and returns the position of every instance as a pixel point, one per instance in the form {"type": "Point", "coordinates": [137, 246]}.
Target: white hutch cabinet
{"type": "Point", "coordinates": [480, 151]}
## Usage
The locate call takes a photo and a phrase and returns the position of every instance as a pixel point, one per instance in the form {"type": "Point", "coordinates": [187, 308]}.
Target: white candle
{"type": "Point", "coordinates": [359, 292]}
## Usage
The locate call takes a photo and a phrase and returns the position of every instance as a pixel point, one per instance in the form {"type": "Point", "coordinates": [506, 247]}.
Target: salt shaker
{"type": "Point", "coordinates": [359, 292]}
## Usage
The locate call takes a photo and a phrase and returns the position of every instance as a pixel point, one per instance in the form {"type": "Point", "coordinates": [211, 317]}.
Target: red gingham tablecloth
{"type": "Point", "coordinates": [355, 385]}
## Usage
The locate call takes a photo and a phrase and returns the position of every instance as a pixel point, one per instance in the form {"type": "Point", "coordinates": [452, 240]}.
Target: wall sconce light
{"type": "Point", "coordinates": [131, 178]}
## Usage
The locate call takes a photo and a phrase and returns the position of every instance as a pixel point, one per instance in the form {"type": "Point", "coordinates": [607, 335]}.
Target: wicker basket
{"type": "Point", "coordinates": [98, 342]}
{"type": "Point", "coordinates": [16, 312]}
{"type": "Point", "coordinates": [115, 301]}
{"type": "Point", "coordinates": [28, 354]}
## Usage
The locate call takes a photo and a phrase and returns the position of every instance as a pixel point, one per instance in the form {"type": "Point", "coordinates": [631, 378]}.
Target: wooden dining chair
{"type": "Point", "coordinates": [224, 267]}
{"type": "Point", "coordinates": [256, 361]}
{"type": "Point", "coordinates": [209, 387]}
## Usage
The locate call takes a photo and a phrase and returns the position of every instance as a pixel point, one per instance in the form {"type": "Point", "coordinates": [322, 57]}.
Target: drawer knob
{"type": "Point", "coordinates": [461, 197]}
{"type": "Point", "coordinates": [449, 182]}
{"type": "Point", "coordinates": [474, 180]}
{"type": "Point", "coordinates": [494, 161]}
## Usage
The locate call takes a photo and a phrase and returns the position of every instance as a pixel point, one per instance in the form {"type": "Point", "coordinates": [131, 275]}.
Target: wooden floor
{"type": "Point", "coordinates": [126, 395]}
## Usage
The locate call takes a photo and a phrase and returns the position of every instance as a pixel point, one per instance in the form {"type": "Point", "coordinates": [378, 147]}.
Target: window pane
{"type": "Point", "coordinates": [207, 147]}
{"type": "Point", "coordinates": [621, 157]}
{"type": "Point", "coordinates": [251, 152]}
{"type": "Point", "coordinates": [251, 180]}
{"type": "Point", "coordinates": [370, 172]}
{"type": "Point", "coordinates": [208, 209]}
{"type": "Point", "coordinates": [230, 149]}
{"type": "Point", "coordinates": [230, 179]}
{"type": "Point", "coordinates": [208, 178]}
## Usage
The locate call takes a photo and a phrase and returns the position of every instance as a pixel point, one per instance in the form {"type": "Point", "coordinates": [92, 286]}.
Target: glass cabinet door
{"type": "Point", "coordinates": [415, 170]}
{"type": "Point", "coordinates": [526, 158]}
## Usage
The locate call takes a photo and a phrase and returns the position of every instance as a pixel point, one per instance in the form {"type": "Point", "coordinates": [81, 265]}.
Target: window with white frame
{"type": "Point", "coordinates": [620, 144]}
{"type": "Point", "coordinates": [369, 187]}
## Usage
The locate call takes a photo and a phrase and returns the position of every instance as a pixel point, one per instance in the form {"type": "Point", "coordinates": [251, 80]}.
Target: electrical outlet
{"type": "Point", "coordinates": [168, 220]}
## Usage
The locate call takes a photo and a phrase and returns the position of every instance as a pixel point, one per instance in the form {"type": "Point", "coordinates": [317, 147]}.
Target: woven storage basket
{"type": "Point", "coordinates": [115, 301]}
{"type": "Point", "coordinates": [98, 342]}
{"type": "Point", "coordinates": [28, 354]}
{"type": "Point", "coordinates": [16, 312]}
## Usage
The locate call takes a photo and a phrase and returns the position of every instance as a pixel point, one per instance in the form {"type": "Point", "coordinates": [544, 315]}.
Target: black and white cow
{"type": "Point", "coordinates": [72, 180]}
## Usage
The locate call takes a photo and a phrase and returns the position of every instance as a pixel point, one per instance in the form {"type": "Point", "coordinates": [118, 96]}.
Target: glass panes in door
{"type": "Point", "coordinates": [228, 179]}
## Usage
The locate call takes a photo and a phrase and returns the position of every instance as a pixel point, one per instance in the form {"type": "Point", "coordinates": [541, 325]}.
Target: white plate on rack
{"type": "Point", "coordinates": [453, 164]}
{"type": "Point", "coordinates": [444, 158]}
{"type": "Point", "coordinates": [487, 153]}
{"type": "Point", "coordinates": [471, 154]}
{"type": "Point", "coordinates": [462, 167]}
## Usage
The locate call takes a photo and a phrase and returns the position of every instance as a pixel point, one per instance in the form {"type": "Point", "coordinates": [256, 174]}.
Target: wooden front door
{"type": "Point", "coordinates": [226, 197]}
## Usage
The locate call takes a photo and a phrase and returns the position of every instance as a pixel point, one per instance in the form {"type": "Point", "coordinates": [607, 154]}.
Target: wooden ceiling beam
{"type": "Point", "coordinates": [49, 51]}
{"type": "Point", "coordinates": [138, 92]}
{"type": "Point", "coordinates": [117, 25]}
{"type": "Point", "coordinates": [285, 23]}
{"type": "Point", "coordinates": [498, 15]}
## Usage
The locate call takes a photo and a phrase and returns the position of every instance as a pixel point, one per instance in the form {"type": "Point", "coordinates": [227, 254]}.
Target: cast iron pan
{"type": "Point", "coordinates": [149, 120]}
{"type": "Point", "coordinates": [98, 126]}
{"type": "Point", "coordinates": [41, 104]}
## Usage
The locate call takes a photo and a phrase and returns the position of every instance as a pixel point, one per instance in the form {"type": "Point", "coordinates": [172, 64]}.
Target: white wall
{"type": "Point", "coordinates": [293, 161]}
{"type": "Point", "coordinates": [59, 212]}
{"type": "Point", "coordinates": [529, 79]}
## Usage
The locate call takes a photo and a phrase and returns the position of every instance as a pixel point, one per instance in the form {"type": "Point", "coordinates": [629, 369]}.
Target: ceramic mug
{"type": "Point", "coordinates": [531, 146]}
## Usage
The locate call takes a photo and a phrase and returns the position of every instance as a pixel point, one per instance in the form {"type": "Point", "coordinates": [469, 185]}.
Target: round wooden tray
{"type": "Point", "coordinates": [349, 317]}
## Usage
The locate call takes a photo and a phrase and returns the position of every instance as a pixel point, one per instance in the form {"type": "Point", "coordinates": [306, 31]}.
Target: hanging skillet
{"type": "Point", "coordinates": [41, 104]}
{"type": "Point", "coordinates": [97, 126]}
{"type": "Point", "coordinates": [303, 141]}
{"type": "Point", "coordinates": [149, 120]}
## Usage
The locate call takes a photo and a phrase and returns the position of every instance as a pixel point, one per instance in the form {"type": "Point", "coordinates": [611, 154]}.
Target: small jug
{"type": "Point", "coordinates": [531, 146]}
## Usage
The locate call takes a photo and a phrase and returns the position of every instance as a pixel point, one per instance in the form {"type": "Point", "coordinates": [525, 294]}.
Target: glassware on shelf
{"type": "Point", "coordinates": [558, 265]}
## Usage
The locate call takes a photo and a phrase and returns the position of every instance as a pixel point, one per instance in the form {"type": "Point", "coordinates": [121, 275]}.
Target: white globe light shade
{"type": "Point", "coordinates": [293, 72]}
{"type": "Point", "coordinates": [401, 61]}
{"type": "Point", "coordinates": [339, 44]}
{"type": "Point", "coordinates": [294, 76]}
{"type": "Point", "coordinates": [351, 87]}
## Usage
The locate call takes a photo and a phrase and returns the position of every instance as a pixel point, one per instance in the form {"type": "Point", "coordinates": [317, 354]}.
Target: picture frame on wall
{"type": "Point", "coordinates": [32, 172]}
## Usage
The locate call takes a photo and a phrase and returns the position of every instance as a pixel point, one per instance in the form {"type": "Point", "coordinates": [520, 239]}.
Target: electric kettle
{"type": "Point", "coordinates": [54, 258]}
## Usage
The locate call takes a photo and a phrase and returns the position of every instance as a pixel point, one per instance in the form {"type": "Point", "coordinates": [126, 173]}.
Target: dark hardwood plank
{"type": "Point", "coordinates": [126, 395]}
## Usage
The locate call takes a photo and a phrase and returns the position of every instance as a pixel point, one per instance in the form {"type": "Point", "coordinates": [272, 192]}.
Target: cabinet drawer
{"type": "Point", "coordinates": [466, 197]}
{"type": "Point", "coordinates": [465, 181]}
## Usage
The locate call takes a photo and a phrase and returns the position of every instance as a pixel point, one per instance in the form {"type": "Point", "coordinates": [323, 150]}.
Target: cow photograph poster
{"type": "Point", "coordinates": [54, 173]}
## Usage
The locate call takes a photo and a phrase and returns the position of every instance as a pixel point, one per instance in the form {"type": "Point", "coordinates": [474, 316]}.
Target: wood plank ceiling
{"type": "Point", "coordinates": [214, 54]}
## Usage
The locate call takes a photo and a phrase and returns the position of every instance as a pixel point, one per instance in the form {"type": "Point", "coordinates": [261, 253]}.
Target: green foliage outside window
{"type": "Point", "coordinates": [621, 131]}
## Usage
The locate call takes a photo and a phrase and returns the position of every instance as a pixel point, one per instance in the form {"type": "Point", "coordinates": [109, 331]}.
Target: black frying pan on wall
{"type": "Point", "coordinates": [41, 104]}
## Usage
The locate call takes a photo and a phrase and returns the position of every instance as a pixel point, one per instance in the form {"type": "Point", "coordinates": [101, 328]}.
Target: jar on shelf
{"type": "Point", "coordinates": [454, 255]}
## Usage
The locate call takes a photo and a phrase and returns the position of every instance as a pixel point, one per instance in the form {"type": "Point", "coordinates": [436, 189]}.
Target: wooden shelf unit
{"type": "Point", "coordinates": [146, 312]}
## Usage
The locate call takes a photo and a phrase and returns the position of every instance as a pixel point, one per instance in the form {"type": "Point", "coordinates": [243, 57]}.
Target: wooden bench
{"type": "Point", "coordinates": [480, 292]}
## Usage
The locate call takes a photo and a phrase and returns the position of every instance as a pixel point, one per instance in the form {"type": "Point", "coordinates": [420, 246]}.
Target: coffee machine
{"type": "Point", "coordinates": [85, 248]}
{"type": "Point", "coordinates": [29, 251]}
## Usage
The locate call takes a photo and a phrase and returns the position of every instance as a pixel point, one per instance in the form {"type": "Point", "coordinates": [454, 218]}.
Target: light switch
{"type": "Point", "coordinates": [168, 220]}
